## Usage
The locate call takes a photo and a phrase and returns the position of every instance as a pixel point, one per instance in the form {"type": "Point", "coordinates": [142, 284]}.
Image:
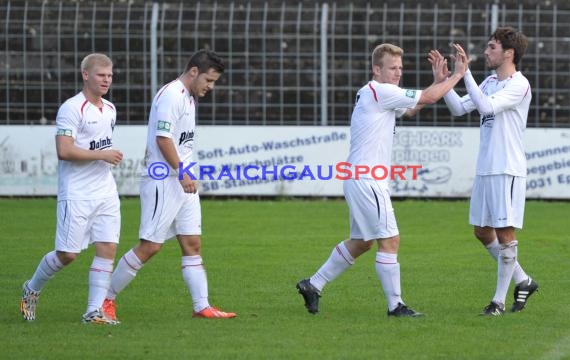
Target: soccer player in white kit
{"type": "Point", "coordinates": [372, 218]}
{"type": "Point", "coordinates": [88, 209]}
{"type": "Point", "coordinates": [171, 207]}
{"type": "Point", "coordinates": [498, 194]}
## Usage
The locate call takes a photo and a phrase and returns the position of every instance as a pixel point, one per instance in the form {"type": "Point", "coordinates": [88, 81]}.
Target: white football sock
{"type": "Point", "coordinates": [46, 269]}
{"type": "Point", "coordinates": [194, 275]}
{"type": "Point", "coordinates": [505, 268]}
{"type": "Point", "coordinates": [388, 270]}
{"type": "Point", "coordinates": [99, 281]}
{"type": "Point", "coordinates": [337, 263]}
{"type": "Point", "coordinates": [519, 275]}
{"type": "Point", "coordinates": [124, 273]}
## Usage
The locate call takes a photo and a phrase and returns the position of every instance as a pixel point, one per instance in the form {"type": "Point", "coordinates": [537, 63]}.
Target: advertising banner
{"type": "Point", "coordinates": [294, 161]}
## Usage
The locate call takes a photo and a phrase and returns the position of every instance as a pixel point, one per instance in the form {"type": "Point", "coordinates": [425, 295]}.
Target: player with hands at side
{"type": "Point", "coordinates": [171, 207]}
{"type": "Point", "coordinates": [88, 208]}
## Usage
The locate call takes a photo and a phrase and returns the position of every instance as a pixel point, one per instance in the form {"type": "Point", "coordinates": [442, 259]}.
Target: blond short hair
{"type": "Point", "coordinates": [382, 49]}
{"type": "Point", "coordinates": [92, 60]}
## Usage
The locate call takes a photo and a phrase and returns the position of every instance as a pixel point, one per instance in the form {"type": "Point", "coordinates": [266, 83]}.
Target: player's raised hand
{"type": "Point", "coordinates": [112, 156]}
{"type": "Point", "coordinates": [461, 59]}
{"type": "Point", "coordinates": [438, 66]}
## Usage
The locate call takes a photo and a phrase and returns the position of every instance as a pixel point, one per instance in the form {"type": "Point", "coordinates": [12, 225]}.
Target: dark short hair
{"type": "Point", "coordinates": [511, 38]}
{"type": "Point", "coordinates": [205, 60]}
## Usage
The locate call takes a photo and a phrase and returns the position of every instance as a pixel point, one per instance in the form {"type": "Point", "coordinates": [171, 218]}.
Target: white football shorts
{"type": "Point", "coordinates": [167, 211]}
{"type": "Point", "coordinates": [497, 201]}
{"type": "Point", "coordinates": [370, 209]}
{"type": "Point", "coordinates": [83, 222]}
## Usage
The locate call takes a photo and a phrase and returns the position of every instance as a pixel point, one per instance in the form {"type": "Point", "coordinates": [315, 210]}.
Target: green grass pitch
{"type": "Point", "coordinates": [256, 251]}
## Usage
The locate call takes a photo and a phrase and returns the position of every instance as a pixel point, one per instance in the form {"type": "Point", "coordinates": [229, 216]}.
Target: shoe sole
{"type": "Point", "coordinates": [417, 314]}
{"type": "Point", "coordinates": [94, 322]}
{"type": "Point", "coordinates": [495, 314]}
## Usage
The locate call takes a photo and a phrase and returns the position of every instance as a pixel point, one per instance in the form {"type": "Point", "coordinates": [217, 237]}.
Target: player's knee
{"type": "Point", "coordinates": [106, 250]}
{"type": "Point", "coordinates": [193, 248]}
{"type": "Point", "coordinates": [506, 235]}
{"type": "Point", "coordinates": [152, 249]}
{"type": "Point", "coordinates": [147, 249]}
{"type": "Point", "coordinates": [66, 257]}
{"type": "Point", "coordinates": [196, 249]}
{"type": "Point", "coordinates": [190, 244]}
{"type": "Point", "coordinates": [358, 245]}
{"type": "Point", "coordinates": [481, 235]}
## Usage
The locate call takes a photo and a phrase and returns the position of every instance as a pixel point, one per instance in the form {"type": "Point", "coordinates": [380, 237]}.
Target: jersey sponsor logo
{"type": "Point", "coordinates": [100, 144]}
{"type": "Point", "coordinates": [186, 136]}
{"type": "Point", "coordinates": [163, 125]}
{"type": "Point", "coordinates": [411, 93]}
{"type": "Point", "coordinates": [486, 119]}
{"type": "Point", "coordinates": [64, 132]}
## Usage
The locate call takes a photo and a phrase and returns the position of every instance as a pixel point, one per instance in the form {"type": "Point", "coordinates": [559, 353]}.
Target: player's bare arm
{"type": "Point", "coordinates": [168, 150]}
{"type": "Point", "coordinates": [67, 150]}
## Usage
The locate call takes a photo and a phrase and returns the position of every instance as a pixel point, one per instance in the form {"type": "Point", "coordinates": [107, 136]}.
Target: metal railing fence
{"type": "Point", "coordinates": [287, 63]}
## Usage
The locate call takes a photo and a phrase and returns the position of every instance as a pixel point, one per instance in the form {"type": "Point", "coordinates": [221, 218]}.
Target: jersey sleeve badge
{"type": "Point", "coordinates": [64, 132]}
{"type": "Point", "coordinates": [163, 125]}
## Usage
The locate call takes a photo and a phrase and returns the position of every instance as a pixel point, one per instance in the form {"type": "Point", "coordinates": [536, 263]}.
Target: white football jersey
{"type": "Point", "coordinates": [373, 123]}
{"type": "Point", "coordinates": [172, 115]}
{"type": "Point", "coordinates": [501, 149]}
{"type": "Point", "coordinates": [91, 128]}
